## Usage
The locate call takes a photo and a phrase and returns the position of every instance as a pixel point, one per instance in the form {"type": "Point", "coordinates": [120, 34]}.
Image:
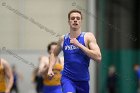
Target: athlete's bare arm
{"type": "Point", "coordinates": [43, 65]}
{"type": "Point", "coordinates": [9, 75]}
{"type": "Point", "coordinates": [62, 61]}
{"type": "Point", "coordinates": [92, 50]}
{"type": "Point", "coordinates": [54, 55]}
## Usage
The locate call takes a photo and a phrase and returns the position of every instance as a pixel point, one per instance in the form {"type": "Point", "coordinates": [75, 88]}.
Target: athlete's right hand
{"type": "Point", "coordinates": [50, 73]}
{"type": "Point", "coordinates": [7, 91]}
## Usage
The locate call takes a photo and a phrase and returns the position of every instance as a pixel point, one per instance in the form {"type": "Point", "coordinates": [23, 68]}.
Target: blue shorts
{"type": "Point", "coordinates": [52, 89]}
{"type": "Point", "coordinates": [71, 86]}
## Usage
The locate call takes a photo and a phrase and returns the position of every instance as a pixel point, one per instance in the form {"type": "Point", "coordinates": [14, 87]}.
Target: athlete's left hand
{"type": "Point", "coordinates": [75, 42]}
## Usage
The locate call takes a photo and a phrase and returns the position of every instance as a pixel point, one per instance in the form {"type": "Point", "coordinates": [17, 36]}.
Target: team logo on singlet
{"type": "Point", "coordinates": [70, 47]}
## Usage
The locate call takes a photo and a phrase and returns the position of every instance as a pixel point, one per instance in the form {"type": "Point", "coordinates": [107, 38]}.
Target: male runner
{"type": "Point", "coordinates": [78, 47]}
{"type": "Point", "coordinates": [51, 85]}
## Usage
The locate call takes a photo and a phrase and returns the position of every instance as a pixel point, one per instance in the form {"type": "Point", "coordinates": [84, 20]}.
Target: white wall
{"type": "Point", "coordinates": [18, 32]}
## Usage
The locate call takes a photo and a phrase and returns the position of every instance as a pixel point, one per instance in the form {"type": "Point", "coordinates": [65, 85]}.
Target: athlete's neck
{"type": "Point", "coordinates": [75, 33]}
{"type": "Point", "coordinates": [55, 57]}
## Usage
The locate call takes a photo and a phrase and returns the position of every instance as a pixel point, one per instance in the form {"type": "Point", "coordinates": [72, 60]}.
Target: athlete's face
{"type": "Point", "coordinates": [52, 48]}
{"type": "Point", "coordinates": [75, 21]}
{"type": "Point", "coordinates": [136, 68]}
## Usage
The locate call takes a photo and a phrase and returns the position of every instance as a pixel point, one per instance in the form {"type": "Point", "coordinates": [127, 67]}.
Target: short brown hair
{"type": "Point", "coordinates": [74, 11]}
{"type": "Point", "coordinates": [49, 46]}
